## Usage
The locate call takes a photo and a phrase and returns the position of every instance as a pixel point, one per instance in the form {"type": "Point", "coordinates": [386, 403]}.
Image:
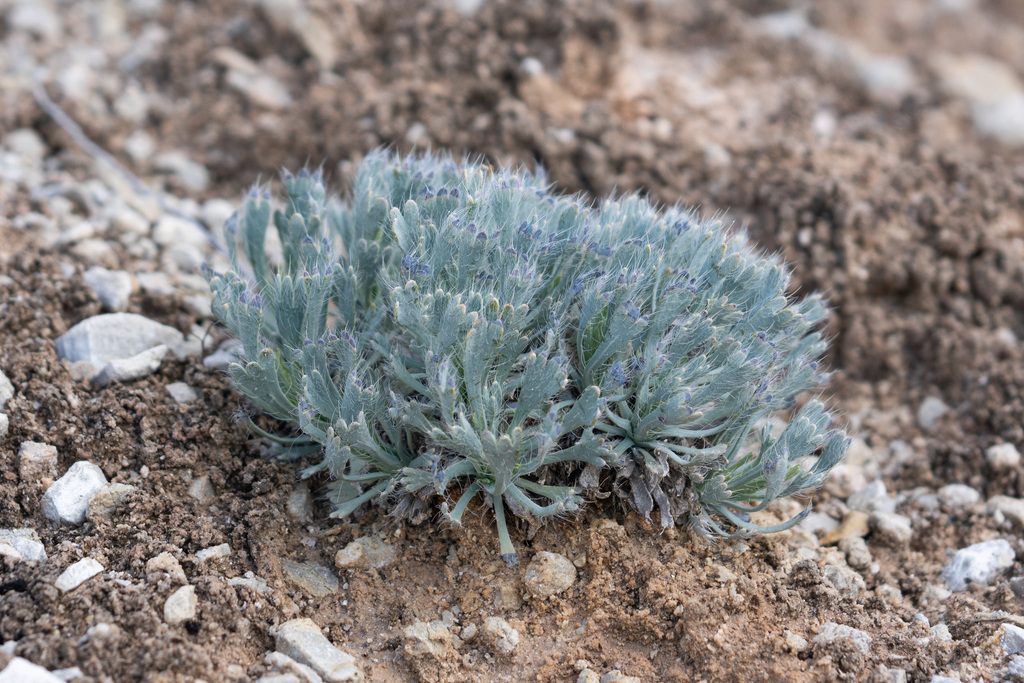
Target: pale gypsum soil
{"type": "Point", "coordinates": [879, 189]}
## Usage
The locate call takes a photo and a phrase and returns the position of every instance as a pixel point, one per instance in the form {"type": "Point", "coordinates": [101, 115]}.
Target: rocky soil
{"type": "Point", "coordinates": [146, 535]}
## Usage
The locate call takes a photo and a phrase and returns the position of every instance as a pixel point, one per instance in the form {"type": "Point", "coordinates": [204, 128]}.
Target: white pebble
{"type": "Point", "coordinates": [77, 574]}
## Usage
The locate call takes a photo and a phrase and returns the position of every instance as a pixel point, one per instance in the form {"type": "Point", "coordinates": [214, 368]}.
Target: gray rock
{"type": "Point", "coordinates": [958, 496]}
{"type": "Point", "coordinates": [857, 553]}
{"type": "Point", "coordinates": [892, 528]}
{"type": "Point", "coordinates": [872, 498]}
{"type": "Point", "coordinates": [224, 356]}
{"type": "Point", "coordinates": [172, 230]}
{"type": "Point", "coordinates": [1013, 639]}
{"type": "Point", "coordinates": [849, 583]}
{"type": "Point", "coordinates": [182, 393]}
{"type": "Point", "coordinates": [497, 633]}
{"type": "Point", "coordinates": [77, 574]}
{"type": "Point", "coordinates": [201, 489]}
{"type": "Point", "coordinates": [27, 144]}
{"type": "Point", "coordinates": [5, 424]}
{"type": "Point", "coordinates": [887, 78]}
{"type": "Point", "coordinates": [302, 640]}
{"type": "Point", "coordinates": [6, 390]}
{"type": "Point", "coordinates": [215, 213]}
{"type": "Point", "coordinates": [180, 606]}
{"type": "Point", "coordinates": [138, 366]}
{"type": "Point", "coordinates": [364, 552]}
{"type": "Point", "coordinates": [941, 633]}
{"type": "Point", "coordinates": [978, 563]}
{"type": "Point", "coordinates": [432, 640]}
{"type": "Point", "coordinates": [299, 673]}
{"type": "Point", "coordinates": [158, 283]}
{"type": "Point", "coordinates": [214, 552]}
{"type": "Point", "coordinates": [36, 17]}
{"type": "Point", "coordinates": [37, 463]}
{"type": "Point", "coordinates": [831, 632]}
{"type": "Point", "coordinates": [26, 542]}
{"type": "Point", "coordinates": [112, 287]}
{"type": "Point", "coordinates": [20, 670]}
{"type": "Point", "coordinates": [819, 521]}
{"type": "Point", "coordinates": [104, 504]}
{"type": "Point", "coordinates": [315, 579]}
{"type": "Point", "coordinates": [300, 503]}
{"type": "Point", "coordinates": [113, 336]}
{"type": "Point", "coordinates": [191, 174]}
{"type": "Point", "coordinates": [67, 499]}
{"type": "Point", "coordinates": [250, 580]}
{"type": "Point", "coordinates": [1011, 508]}
{"type": "Point", "coordinates": [1004, 456]}
{"type": "Point", "coordinates": [932, 408]}
{"type": "Point", "coordinates": [1003, 120]}
{"type": "Point", "coordinates": [549, 574]}
{"type": "Point", "coordinates": [588, 676]}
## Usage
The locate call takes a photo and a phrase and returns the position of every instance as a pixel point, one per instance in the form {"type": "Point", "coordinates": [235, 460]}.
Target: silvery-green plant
{"type": "Point", "coordinates": [459, 330]}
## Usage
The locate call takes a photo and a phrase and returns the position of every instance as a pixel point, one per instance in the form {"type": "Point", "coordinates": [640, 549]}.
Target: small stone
{"type": "Point", "coordinates": [849, 583]}
{"type": "Point", "coordinates": [978, 563]}
{"type": "Point", "coordinates": [941, 633]}
{"type": "Point", "coordinates": [831, 632]}
{"type": "Point", "coordinates": [250, 580]}
{"type": "Point", "coordinates": [141, 365]}
{"type": "Point", "coordinates": [95, 251]}
{"type": "Point", "coordinates": [588, 676]}
{"type": "Point", "coordinates": [158, 283]}
{"type": "Point", "coordinates": [182, 393]}
{"type": "Point", "coordinates": [106, 501]}
{"type": "Point", "coordinates": [172, 230]}
{"type": "Point", "coordinates": [112, 287]}
{"type": "Point", "coordinates": [67, 499]}
{"type": "Point", "coordinates": [37, 463]}
{"type": "Point", "coordinates": [872, 498]}
{"type": "Point", "coordinates": [1002, 120]}
{"type": "Point", "coordinates": [69, 674]}
{"type": "Point", "coordinates": [27, 144]}
{"type": "Point", "coordinates": [36, 18]}
{"type": "Point", "coordinates": [180, 606]}
{"type": "Point", "coordinates": [891, 594]}
{"type": "Point", "coordinates": [1013, 639]}
{"type": "Point", "coordinates": [128, 221]}
{"type": "Point", "coordinates": [957, 496]}
{"type": "Point", "coordinates": [25, 542]}
{"type": "Point", "coordinates": [112, 336]}
{"type": "Point", "coordinates": [5, 424]}
{"type": "Point", "coordinates": [220, 359]}
{"type": "Point", "coordinates": [976, 78]}
{"type": "Point", "coordinates": [469, 633]}
{"type": "Point", "coordinates": [300, 503]}
{"type": "Point", "coordinates": [77, 574]}
{"type": "Point", "coordinates": [432, 640]}
{"type": "Point", "coordinates": [1011, 508]}
{"type": "Point", "coordinates": [549, 574]}
{"type": "Point", "coordinates": [887, 78]}
{"type": "Point", "coordinates": [819, 521]}
{"type": "Point", "coordinates": [10, 552]}
{"type": "Point", "coordinates": [300, 673]}
{"type": "Point", "coordinates": [315, 579]}
{"type": "Point", "coordinates": [794, 642]}
{"type": "Point", "coordinates": [856, 550]}
{"type": "Point", "coordinates": [892, 528]}
{"type": "Point", "coordinates": [1004, 456]}
{"type": "Point", "coordinates": [215, 213]}
{"type": "Point", "coordinates": [20, 670]}
{"type": "Point", "coordinates": [932, 408]}
{"type": "Point", "coordinates": [500, 635]}
{"type": "Point", "coordinates": [201, 489]}
{"type": "Point", "coordinates": [214, 552]}
{"type": "Point", "coordinates": [6, 390]}
{"type": "Point", "coordinates": [191, 174]}
{"type": "Point", "coordinates": [854, 524]}
{"type": "Point", "coordinates": [364, 552]}
{"type": "Point", "coordinates": [167, 564]}
{"type": "Point", "coordinates": [302, 640]}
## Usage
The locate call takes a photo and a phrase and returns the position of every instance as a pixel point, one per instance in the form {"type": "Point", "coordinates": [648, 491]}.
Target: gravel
{"type": "Point", "coordinates": [112, 287]}
{"type": "Point", "coordinates": [978, 564]}
{"type": "Point", "coordinates": [37, 463]}
{"type": "Point", "coordinates": [500, 635]}
{"type": "Point", "coordinates": [138, 366]}
{"type": "Point", "coordinates": [302, 640]}
{"type": "Point", "coordinates": [549, 574]}
{"type": "Point", "coordinates": [20, 670]}
{"type": "Point", "coordinates": [25, 542]}
{"type": "Point", "coordinates": [6, 390]}
{"type": "Point", "coordinates": [77, 574]}
{"type": "Point", "coordinates": [117, 336]}
{"type": "Point", "coordinates": [67, 499]}
{"type": "Point", "coordinates": [180, 606]}
{"type": "Point", "coordinates": [831, 632]}
{"type": "Point", "coordinates": [315, 579]}
{"type": "Point", "coordinates": [1004, 456]}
